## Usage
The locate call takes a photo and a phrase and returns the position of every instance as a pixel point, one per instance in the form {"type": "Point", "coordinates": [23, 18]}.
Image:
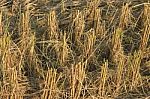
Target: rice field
{"type": "Point", "coordinates": [74, 49]}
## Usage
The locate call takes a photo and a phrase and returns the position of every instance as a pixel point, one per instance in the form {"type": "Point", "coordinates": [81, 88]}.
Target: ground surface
{"type": "Point", "coordinates": [74, 49]}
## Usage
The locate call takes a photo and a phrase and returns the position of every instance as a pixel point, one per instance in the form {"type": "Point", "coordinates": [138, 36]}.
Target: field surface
{"type": "Point", "coordinates": [74, 49]}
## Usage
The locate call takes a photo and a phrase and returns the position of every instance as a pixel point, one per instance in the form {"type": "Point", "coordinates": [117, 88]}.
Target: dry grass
{"type": "Point", "coordinates": [74, 49]}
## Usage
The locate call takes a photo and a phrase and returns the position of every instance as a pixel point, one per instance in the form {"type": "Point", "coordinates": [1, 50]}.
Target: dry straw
{"type": "Point", "coordinates": [62, 50]}
{"type": "Point", "coordinates": [125, 18]}
{"type": "Point", "coordinates": [78, 26]}
{"type": "Point", "coordinates": [76, 79]}
{"type": "Point", "coordinates": [103, 80]}
{"type": "Point", "coordinates": [31, 64]}
{"type": "Point", "coordinates": [117, 49]}
{"type": "Point", "coordinates": [13, 82]}
{"type": "Point", "coordinates": [50, 85]}
{"type": "Point", "coordinates": [146, 29]}
{"type": "Point", "coordinates": [100, 30]}
{"type": "Point", "coordinates": [1, 31]}
{"type": "Point", "coordinates": [53, 25]}
{"type": "Point", "coordinates": [133, 72]}
{"type": "Point", "coordinates": [89, 44]}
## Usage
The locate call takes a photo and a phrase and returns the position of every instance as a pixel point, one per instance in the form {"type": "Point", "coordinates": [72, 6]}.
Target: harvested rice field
{"type": "Point", "coordinates": [74, 49]}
